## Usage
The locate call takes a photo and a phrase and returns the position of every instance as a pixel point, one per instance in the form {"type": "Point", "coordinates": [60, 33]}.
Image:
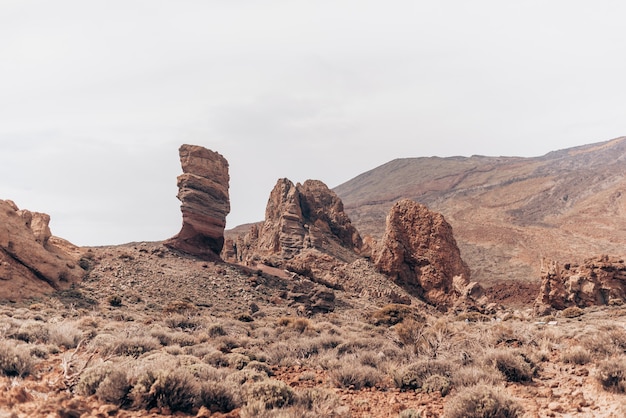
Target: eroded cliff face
{"type": "Point", "coordinates": [205, 203]}
{"type": "Point", "coordinates": [419, 252]}
{"type": "Point", "coordinates": [30, 263]}
{"type": "Point", "coordinates": [596, 281]}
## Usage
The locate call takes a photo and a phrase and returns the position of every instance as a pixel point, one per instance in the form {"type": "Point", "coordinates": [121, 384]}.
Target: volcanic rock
{"type": "Point", "coordinates": [597, 281]}
{"type": "Point", "coordinates": [305, 229]}
{"type": "Point", "coordinates": [203, 191]}
{"type": "Point", "coordinates": [419, 252]}
{"type": "Point", "coordinates": [30, 263]}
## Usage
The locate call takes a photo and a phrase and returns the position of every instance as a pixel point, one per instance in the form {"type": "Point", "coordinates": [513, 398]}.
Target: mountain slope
{"type": "Point", "coordinates": [507, 212]}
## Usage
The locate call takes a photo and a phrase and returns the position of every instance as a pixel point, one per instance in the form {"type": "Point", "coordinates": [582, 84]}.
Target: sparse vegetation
{"type": "Point", "coordinates": [482, 402]}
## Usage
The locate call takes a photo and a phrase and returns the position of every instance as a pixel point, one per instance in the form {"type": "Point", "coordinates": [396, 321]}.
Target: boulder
{"type": "Point", "coordinates": [596, 281]}
{"type": "Point", "coordinates": [203, 192]}
{"type": "Point", "coordinates": [30, 262]}
{"type": "Point", "coordinates": [419, 252]}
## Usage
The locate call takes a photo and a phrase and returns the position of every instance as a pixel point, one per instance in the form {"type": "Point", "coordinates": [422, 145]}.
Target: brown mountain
{"type": "Point", "coordinates": [507, 213]}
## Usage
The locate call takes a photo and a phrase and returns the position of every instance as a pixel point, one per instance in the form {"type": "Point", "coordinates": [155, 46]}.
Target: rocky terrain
{"type": "Point", "coordinates": [507, 213]}
{"type": "Point", "coordinates": [299, 316]}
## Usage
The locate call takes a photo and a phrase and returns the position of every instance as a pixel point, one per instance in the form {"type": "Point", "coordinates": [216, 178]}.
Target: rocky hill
{"type": "Point", "coordinates": [507, 213]}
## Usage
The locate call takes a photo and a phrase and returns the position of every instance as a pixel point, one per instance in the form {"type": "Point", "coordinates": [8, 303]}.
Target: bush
{"type": "Point", "coordinates": [66, 334]}
{"type": "Point", "coordinates": [414, 375]}
{"type": "Point", "coordinates": [611, 374]}
{"type": "Point", "coordinates": [395, 313]}
{"type": "Point", "coordinates": [356, 376]}
{"type": "Point", "coordinates": [410, 413]}
{"type": "Point", "coordinates": [576, 355]}
{"type": "Point", "coordinates": [14, 362]}
{"type": "Point", "coordinates": [572, 312]}
{"type": "Point", "coordinates": [271, 393]}
{"type": "Point", "coordinates": [136, 346]}
{"type": "Point", "coordinates": [172, 389]}
{"type": "Point", "coordinates": [33, 332]}
{"type": "Point", "coordinates": [437, 383]}
{"type": "Point", "coordinates": [219, 397]}
{"type": "Point", "coordinates": [513, 365]}
{"type": "Point", "coordinates": [482, 402]}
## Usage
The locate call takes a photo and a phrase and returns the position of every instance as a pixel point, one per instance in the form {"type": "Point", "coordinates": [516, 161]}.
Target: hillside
{"type": "Point", "coordinates": [507, 212]}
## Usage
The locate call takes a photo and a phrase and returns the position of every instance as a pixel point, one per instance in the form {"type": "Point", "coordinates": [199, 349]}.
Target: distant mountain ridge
{"type": "Point", "coordinates": [508, 213]}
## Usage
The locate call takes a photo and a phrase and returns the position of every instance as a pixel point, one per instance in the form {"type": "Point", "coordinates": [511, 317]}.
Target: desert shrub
{"type": "Point", "coordinates": [184, 322]}
{"type": "Point", "coordinates": [237, 361]}
{"type": "Point", "coordinates": [321, 402]}
{"type": "Point", "coordinates": [65, 334]}
{"type": "Point", "coordinates": [409, 331]}
{"type": "Point", "coordinates": [107, 381]}
{"type": "Point", "coordinates": [271, 393]}
{"type": "Point", "coordinates": [115, 301]}
{"type": "Point", "coordinates": [413, 376]}
{"type": "Point", "coordinates": [259, 367]}
{"type": "Point", "coordinates": [173, 389]}
{"type": "Point", "coordinates": [246, 376]}
{"type": "Point", "coordinates": [355, 376]}
{"type": "Point", "coordinates": [572, 312]}
{"type": "Point", "coordinates": [471, 375]}
{"type": "Point", "coordinates": [39, 351]}
{"type": "Point", "coordinates": [215, 330]}
{"type": "Point", "coordinates": [611, 374]}
{"type": "Point", "coordinates": [482, 402]}
{"type": "Point", "coordinates": [204, 372]}
{"type": "Point", "coordinates": [395, 313]}
{"type": "Point", "coordinates": [218, 397]}
{"type": "Point", "coordinates": [513, 365]}
{"type": "Point", "coordinates": [14, 361]}
{"type": "Point", "coordinates": [357, 346]}
{"type": "Point", "coordinates": [33, 332]}
{"type": "Point", "coordinates": [437, 383]}
{"type": "Point", "coordinates": [136, 346]}
{"type": "Point", "coordinates": [370, 358]}
{"type": "Point", "coordinates": [410, 413]}
{"type": "Point", "coordinates": [180, 307]}
{"type": "Point", "coordinates": [216, 358]}
{"type": "Point", "coordinates": [576, 355]}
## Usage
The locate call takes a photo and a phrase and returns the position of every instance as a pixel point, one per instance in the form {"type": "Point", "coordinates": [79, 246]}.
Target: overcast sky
{"type": "Point", "coordinates": [97, 96]}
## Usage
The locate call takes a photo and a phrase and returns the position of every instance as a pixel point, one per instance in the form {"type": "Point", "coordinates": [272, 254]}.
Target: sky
{"type": "Point", "coordinates": [96, 96]}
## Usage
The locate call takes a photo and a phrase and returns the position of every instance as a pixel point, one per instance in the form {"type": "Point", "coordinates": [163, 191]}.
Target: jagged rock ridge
{"type": "Point", "coordinates": [203, 192]}
{"type": "Point", "coordinates": [30, 263]}
{"type": "Point", "coordinates": [596, 281]}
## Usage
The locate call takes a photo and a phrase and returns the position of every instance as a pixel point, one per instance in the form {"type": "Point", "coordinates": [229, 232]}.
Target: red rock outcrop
{"type": "Point", "coordinates": [305, 229]}
{"type": "Point", "coordinates": [597, 281]}
{"type": "Point", "coordinates": [419, 252]}
{"type": "Point", "coordinates": [203, 191]}
{"type": "Point", "coordinates": [30, 263]}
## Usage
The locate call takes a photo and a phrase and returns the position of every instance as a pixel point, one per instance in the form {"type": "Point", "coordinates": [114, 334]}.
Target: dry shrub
{"type": "Point", "coordinates": [216, 359]}
{"type": "Point", "coordinates": [471, 375]}
{"type": "Point", "coordinates": [482, 402]}
{"type": "Point", "coordinates": [320, 402]}
{"type": "Point", "coordinates": [409, 331]}
{"type": "Point", "coordinates": [219, 397]}
{"type": "Point", "coordinates": [356, 376]}
{"type": "Point", "coordinates": [237, 361]}
{"type": "Point", "coordinates": [180, 307]}
{"type": "Point", "coordinates": [514, 366]}
{"type": "Point", "coordinates": [611, 374]}
{"type": "Point", "coordinates": [271, 393]}
{"type": "Point", "coordinates": [576, 355]}
{"type": "Point", "coordinates": [259, 367]}
{"type": "Point", "coordinates": [183, 322]}
{"type": "Point", "coordinates": [136, 346]}
{"type": "Point", "coordinates": [241, 377]}
{"type": "Point", "coordinates": [216, 330]}
{"type": "Point", "coordinates": [14, 361]}
{"type": "Point", "coordinates": [572, 312]}
{"type": "Point", "coordinates": [472, 317]}
{"type": "Point", "coordinates": [298, 324]}
{"type": "Point", "coordinates": [65, 334]}
{"type": "Point", "coordinates": [394, 313]}
{"type": "Point", "coordinates": [173, 389]}
{"type": "Point", "coordinates": [108, 381]}
{"type": "Point", "coordinates": [414, 375]}
{"type": "Point", "coordinates": [33, 332]}
{"type": "Point", "coordinates": [410, 413]}
{"type": "Point", "coordinates": [437, 383]}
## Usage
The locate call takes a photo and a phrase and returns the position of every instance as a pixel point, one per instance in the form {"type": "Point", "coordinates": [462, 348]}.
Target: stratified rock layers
{"type": "Point", "coordinates": [29, 264]}
{"type": "Point", "coordinates": [419, 252]}
{"type": "Point", "coordinates": [203, 192]}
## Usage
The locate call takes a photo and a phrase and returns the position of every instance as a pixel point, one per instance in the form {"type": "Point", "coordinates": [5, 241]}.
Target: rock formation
{"type": "Point", "coordinates": [419, 252]}
{"type": "Point", "coordinates": [30, 264]}
{"type": "Point", "coordinates": [305, 229]}
{"type": "Point", "coordinates": [203, 191]}
{"type": "Point", "coordinates": [597, 281]}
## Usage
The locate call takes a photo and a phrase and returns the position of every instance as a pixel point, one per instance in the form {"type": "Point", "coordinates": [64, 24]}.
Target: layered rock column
{"type": "Point", "coordinates": [205, 203]}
